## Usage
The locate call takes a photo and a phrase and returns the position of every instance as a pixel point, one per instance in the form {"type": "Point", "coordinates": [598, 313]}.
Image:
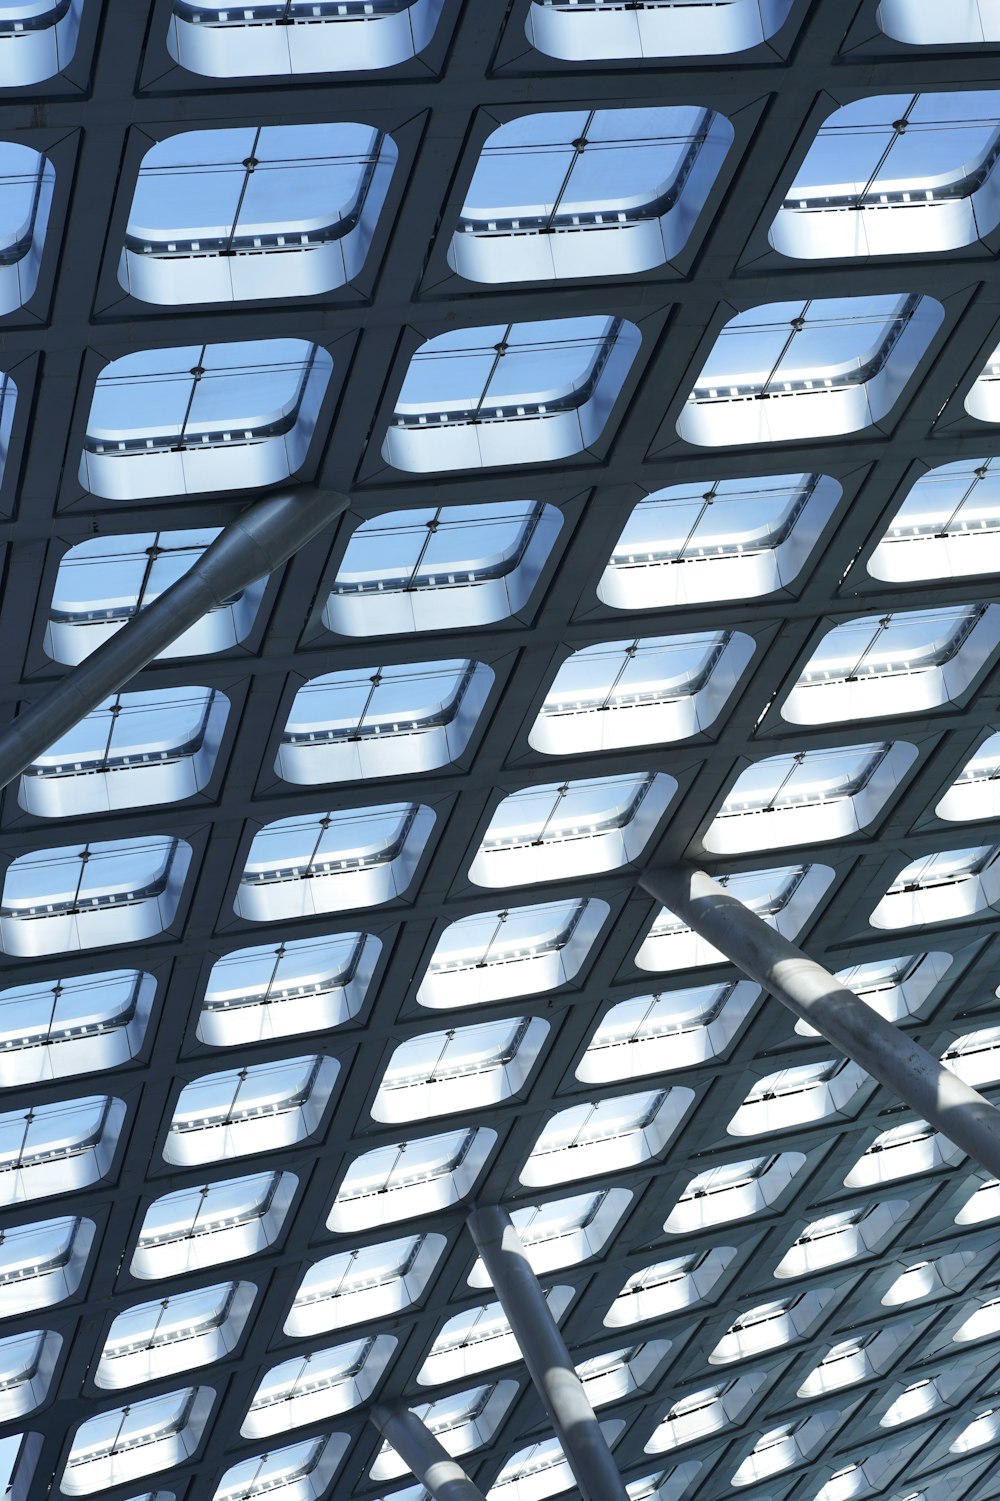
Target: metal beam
{"type": "Point", "coordinates": [423, 1454]}
{"type": "Point", "coordinates": [546, 1356]}
{"type": "Point", "coordinates": [263, 537]}
{"type": "Point", "coordinates": [906, 1069]}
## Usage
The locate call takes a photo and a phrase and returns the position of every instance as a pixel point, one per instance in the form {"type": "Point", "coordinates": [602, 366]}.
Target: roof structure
{"type": "Point", "coordinates": [655, 346]}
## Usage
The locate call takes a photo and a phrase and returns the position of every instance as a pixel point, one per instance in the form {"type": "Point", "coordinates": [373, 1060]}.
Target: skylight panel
{"type": "Point", "coordinates": [779, 1449]}
{"type": "Point", "coordinates": [771, 1326]}
{"type": "Point", "coordinates": [924, 23]}
{"type": "Point", "coordinates": [800, 1096]}
{"type": "Point", "coordinates": [896, 173]}
{"type": "Point", "coordinates": [666, 1485]}
{"type": "Point", "coordinates": [410, 1178]}
{"type": "Point", "coordinates": [563, 1232]}
{"type": "Point", "coordinates": [945, 887]}
{"type": "Point", "coordinates": [284, 989]}
{"type": "Point", "coordinates": [732, 1191]}
{"type": "Point", "coordinates": [556, 830]}
{"type": "Point", "coordinates": [540, 1470]}
{"type": "Point", "coordinates": [604, 1136]}
{"type": "Point", "coordinates": [212, 1223]}
{"type": "Point", "coordinates": [975, 1057]}
{"type": "Point", "coordinates": [903, 662]}
{"type": "Point", "coordinates": [310, 1388]}
{"type": "Point", "coordinates": [840, 1237]}
{"type": "Point", "coordinates": [42, 1264]}
{"type": "Point", "coordinates": [895, 988]}
{"type": "Point", "coordinates": [615, 1374]}
{"type": "Point", "coordinates": [805, 797]}
{"type": "Point", "coordinates": [174, 1334]}
{"type": "Point", "coordinates": [784, 897]}
{"type": "Point", "coordinates": [704, 1412]}
{"type": "Point", "coordinates": [382, 721]}
{"type": "Point", "coordinates": [126, 1443]}
{"type": "Point", "coordinates": [202, 417]}
{"type": "Point", "coordinates": [668, 1286]}
{"type": "Point", "coordinates": [982, 1323]}
{"type": "Point", "coordinates": [81, 897]}
{"type": "Point", "coordinates": [947, 527]}
{"type": "Point", "coordinates": [514, 951]}
{"type": "Point", "coordinates": [27, 1365]}
{"type": "Point", "coordinates": [480, 1339]}
{"type": "Point", "coordinates": [462, 1422]}
{"type": "Point", "coordinates": [54, 1149]}
{"type": "Point", "coordinates": [330, 862]}
{"type": "Point", "coordinates": [650, 1034]}
{"type": "Point", "coordinates": [729, 539]}
{"type": "Point", "coordinates": [930, 1279]}
{"type": "Point", "coordinates": [276, 210]}
{"type": "Point", "coordinates": [642, 691]}
{"type": "Point", "coordinates": [56, 1029]}
{"type": "Point", "coordinates": [983, 1205]}
{"type": "Point", "coordinates": [983, 401]}
{"type": "Point", "coordinates": [817, 368]}
{"type": "Point", "coordinates": [27, 181]}
{"type": "Point", "coordinates": [133, 750]}
{"type": "Point", "coordinates": [975, 794]}
{"type": "Point", "coordinates": [462, 1069]}
{"type": "Point", "coordinates": [37, 39]}
{"type": "Point", "coordinates": [587, 192]}
{"type": "Point", "coordinates": [856, 1359]}
{"type": "Point", "coordinates": [257, 1108]}
{"type": "Point", "coordinates": [370, 1282]}
{"type": "Point", "coordinates": [546, 387]}
{"type": "Point", "coordinates": [265, 39]}
{"type": "Point", "coordinates": [902, 1152]}
{"type": "Point", "coordinates": [104, 582]}
{"type": "Point", "coordinates": [441, 567]}
{"type": "Point", "coordinates": [918, 1400]}
{"type": "Point", "coordinates": [594, 30]}
{"type": "Point", "coordinates": [297, 1472]}
{"type": "Point", "coordinates": [984, 1429]}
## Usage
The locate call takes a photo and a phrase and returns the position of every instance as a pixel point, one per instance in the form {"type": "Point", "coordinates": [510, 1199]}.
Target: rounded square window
{"type": "Point", "coordinates": [134, 750]}
{"type": "Point", "coordinates": [331, 862]}
{"type": "Point", "coordinates": [203, 417]}
{"type": "Point", "coordinates": [87, 896]}
{"type": "Point", "coordinates": [271, 38]}
{"type": "Point", "coordinates": [592, 30]}
{"type": "Point", "coordinates": [568, 829]}
{"type": "Point", "coordinates": [814, 369]}
{"type": "Point", "coordinates": [103, 583]}
{"type": "Point", "coordinates": [546, 388]}
{"type": "Point", "coordinates": [896, 174]}
{"type": "Point", "coordinates": [27, 182]}
{"type": "Point", "coordinates": [441, 568]}
{"type": "Point", "coordinates": [232, 215]}
{"type": "Point", "coordinates": [901, 662]}
{"type": "Point", "coordinates": [731, 539]}
{"type": "Point", "coordinates": [925, 23]}
{"type": "Point", "coordinates": [596, 192]}
{"type": "Point", "coordinates": [643, 691]}
{"type": "Point", "coordinates": [37, 39]}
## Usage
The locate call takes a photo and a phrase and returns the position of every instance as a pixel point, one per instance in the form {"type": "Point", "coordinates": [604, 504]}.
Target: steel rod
{"type": "Point", "coordinates": [853, 1027]}
{"type": "Point", "coordinates": [546, 1356]}
{"type": "Point", "coordinates": [252, 546]}
{"type": "Point", "coordinates": [423, 1453]}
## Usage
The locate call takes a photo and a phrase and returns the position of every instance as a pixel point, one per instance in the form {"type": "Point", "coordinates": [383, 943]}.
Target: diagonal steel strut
{"type": "Point", "coordinates": [264, 536]}
{"type": "Point", "coordinates": [906, 1069]}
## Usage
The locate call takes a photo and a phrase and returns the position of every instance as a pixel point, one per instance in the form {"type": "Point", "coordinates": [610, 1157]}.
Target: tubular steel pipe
{"type": "Point", "coordinates": [906, 1069]}
{"type": "Point", "coordinates": [546, 1356]}
{"type": "Point", "coordinates": [423, 1454]}
{"type": "Point", "coordinates": [266, 535]}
